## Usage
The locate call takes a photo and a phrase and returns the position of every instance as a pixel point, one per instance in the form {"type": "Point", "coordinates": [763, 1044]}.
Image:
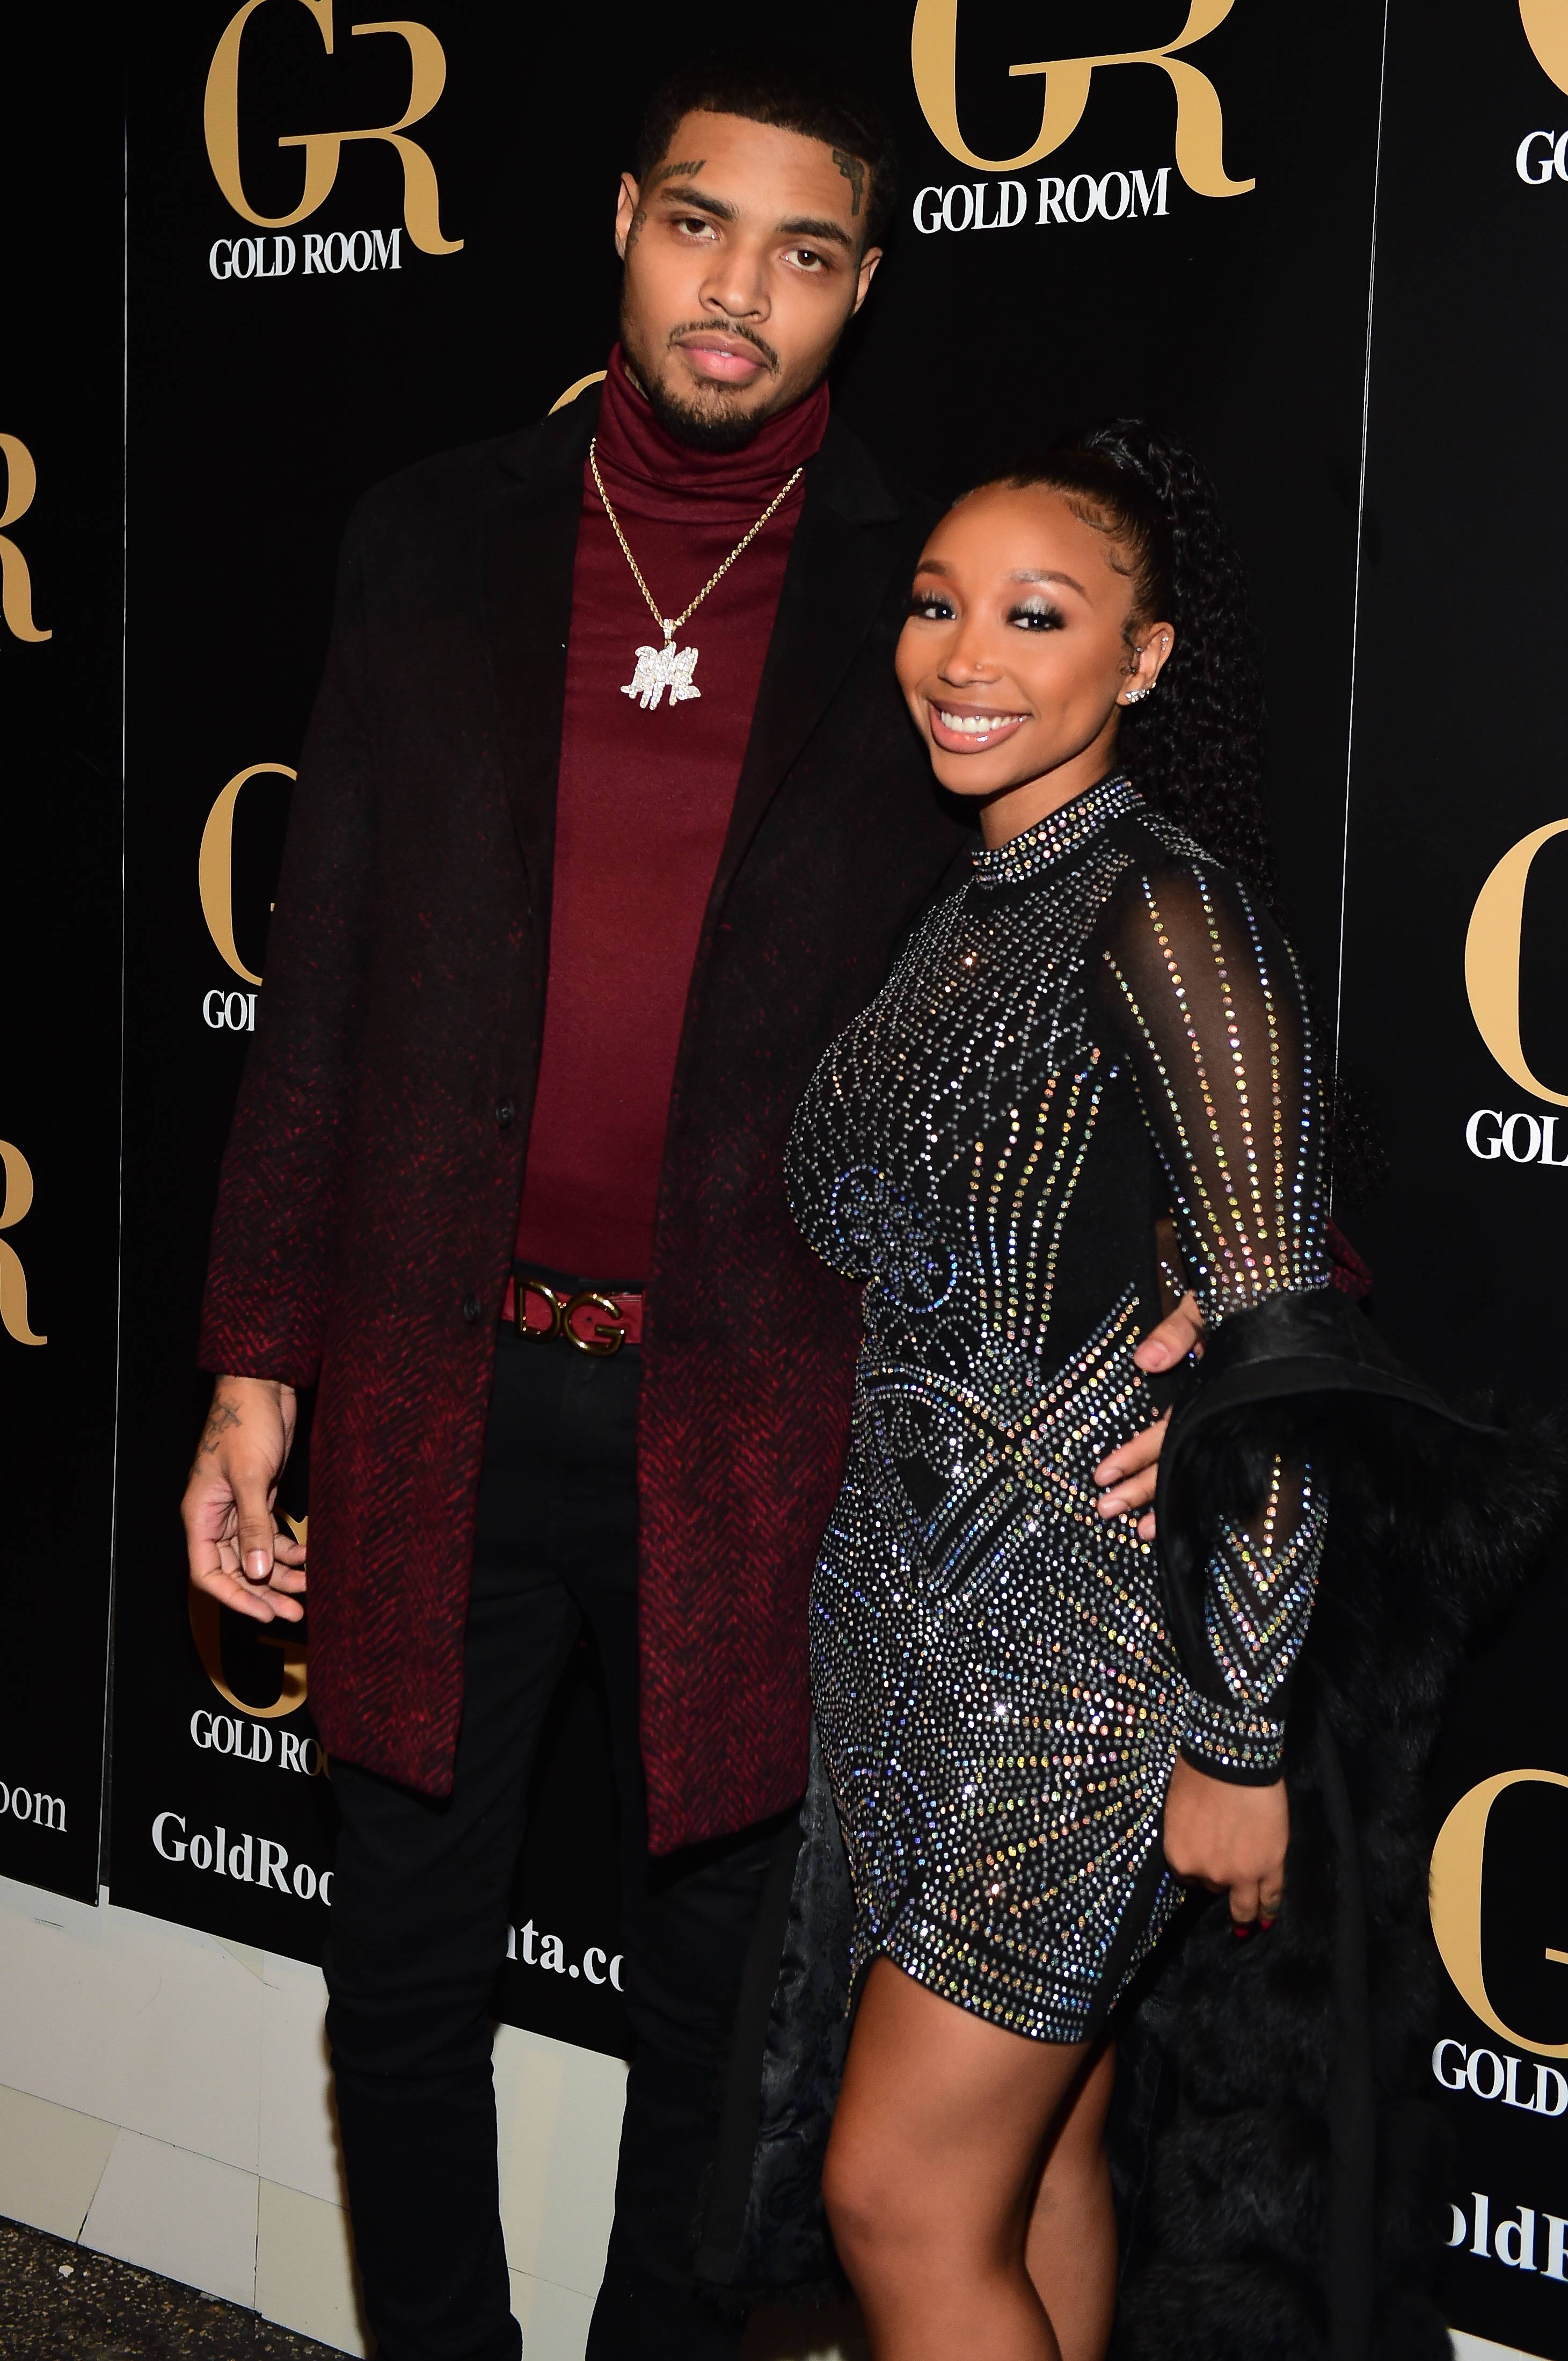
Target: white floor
{"type": "Point", "coordinates": [164, 2097]}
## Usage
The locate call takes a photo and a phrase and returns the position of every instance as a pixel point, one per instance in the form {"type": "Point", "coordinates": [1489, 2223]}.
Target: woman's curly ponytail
{"type": "Point", "coordinates": [1195, 745]}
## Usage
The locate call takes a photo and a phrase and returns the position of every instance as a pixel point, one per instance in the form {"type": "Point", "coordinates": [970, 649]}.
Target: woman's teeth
{"type": "Point", "coordinates": [975, 725]}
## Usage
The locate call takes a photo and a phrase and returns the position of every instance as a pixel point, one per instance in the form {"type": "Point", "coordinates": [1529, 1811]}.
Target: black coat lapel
{"type": "Point", "coordinates": [853, 537]}
{"type": "Point", "coordinates": [530, 543]}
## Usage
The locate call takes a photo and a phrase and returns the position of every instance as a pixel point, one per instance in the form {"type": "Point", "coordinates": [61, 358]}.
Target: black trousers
{"type": "Point", "coordinates": [419, 1906]}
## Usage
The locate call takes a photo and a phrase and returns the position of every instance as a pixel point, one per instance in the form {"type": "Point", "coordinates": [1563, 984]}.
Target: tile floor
{"type": "Point", "coordinates": [164, 2106]}
{"type": "Point", "coordinates": [164, 2101]}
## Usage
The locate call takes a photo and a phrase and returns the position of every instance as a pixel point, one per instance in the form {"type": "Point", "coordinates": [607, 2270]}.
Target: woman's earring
{"type": "Point", "coordinates": [1136, 696]}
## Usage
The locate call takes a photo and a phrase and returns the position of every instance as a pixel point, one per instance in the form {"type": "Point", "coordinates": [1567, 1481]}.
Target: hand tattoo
{"type": "Point", "coordinates": [221, 1419]}
{"type": "Point", "coordinates": [854, 171]}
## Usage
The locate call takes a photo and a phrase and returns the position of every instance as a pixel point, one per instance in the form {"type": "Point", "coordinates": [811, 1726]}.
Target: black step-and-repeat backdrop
{"type": "Point", "coordinates": [349, 250]}
{"type": "Point", "coordinates": [1456, 987]}
{"type": "Point", "coordinates": [61, 601]}
{"type": "Point", "coordinates": [353, 244]}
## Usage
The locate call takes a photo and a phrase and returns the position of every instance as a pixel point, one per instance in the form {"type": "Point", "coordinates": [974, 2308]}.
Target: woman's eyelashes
{"type": "Point", "coordinates": [1028, 615]}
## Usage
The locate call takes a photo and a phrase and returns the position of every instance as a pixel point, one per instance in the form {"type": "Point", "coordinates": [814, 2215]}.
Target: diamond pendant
{"type": "Point", "coordinates": [658, 669]}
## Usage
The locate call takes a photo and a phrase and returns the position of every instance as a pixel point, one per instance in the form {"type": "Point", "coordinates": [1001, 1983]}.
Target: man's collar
{"type": "Point", "coordinates": [556, 447]}
{"type": "Point", "coordinates": [843, 472]}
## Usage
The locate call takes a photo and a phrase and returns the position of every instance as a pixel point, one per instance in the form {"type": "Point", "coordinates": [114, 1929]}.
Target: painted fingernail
{"type": "Point", "coordinates": [1265, 1924]}
{"type": "Point", "coordinates": [1239, 1933]}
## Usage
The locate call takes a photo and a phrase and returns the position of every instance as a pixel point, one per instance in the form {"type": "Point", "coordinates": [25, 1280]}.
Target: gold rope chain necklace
{"type": "Point", "coordinates": [670, 667]}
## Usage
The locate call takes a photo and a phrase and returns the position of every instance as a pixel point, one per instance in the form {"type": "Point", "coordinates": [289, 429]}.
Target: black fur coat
{"type": "Point", "coordinates": [1273, 2152]}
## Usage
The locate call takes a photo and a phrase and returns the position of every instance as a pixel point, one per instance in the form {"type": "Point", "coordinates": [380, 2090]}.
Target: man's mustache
{"type": "Point", "coordinates": [763, 350]}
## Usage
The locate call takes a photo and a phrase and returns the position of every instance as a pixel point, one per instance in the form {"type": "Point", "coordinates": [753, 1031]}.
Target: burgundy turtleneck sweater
{"type": "Point", "coordinates": [642, 805]}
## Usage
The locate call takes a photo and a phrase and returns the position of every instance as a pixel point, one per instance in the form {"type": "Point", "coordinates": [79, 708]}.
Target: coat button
{"type": "Point", "coordinates": [470, 1309]}
{"type": "Point", "coordinates": [506, 1114]}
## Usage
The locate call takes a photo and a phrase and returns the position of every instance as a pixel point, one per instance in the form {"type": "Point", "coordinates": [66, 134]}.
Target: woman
{"type": "Point", "coordinates": [1105, 1025]}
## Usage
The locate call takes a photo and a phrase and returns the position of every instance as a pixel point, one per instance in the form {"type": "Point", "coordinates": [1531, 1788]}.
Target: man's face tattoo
{"type": "Point", "coordinates": [854, 171]}
{"type": "Point", "coordinates": [744, 261]}
{"type": "Point", "coordinates": [686, 170]}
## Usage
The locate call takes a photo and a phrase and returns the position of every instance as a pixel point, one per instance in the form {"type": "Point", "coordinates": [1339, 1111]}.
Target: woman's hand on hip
{"type": "Point", "coordinates": [1130, 1475]}
{"type": "Point", "coordinates": [1230, 1840]}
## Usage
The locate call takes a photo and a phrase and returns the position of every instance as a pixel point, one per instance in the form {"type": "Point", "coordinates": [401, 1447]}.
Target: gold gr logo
{"type": "Point", "coordinates": [427, 79]}
{"type": "Point", "coordinates": [207, 1631]}
{"type": "Point", "coordinates": [1492, 958]}
{"type": "Point", "coordinates": [1546, 29]}
{"type": "Point", "coordinates": [16, 582]}
{"type": "Point", "coordinates": [1200, 120]}
{"type": "Point", "coordinates": [16, 1203]}
{"type": "Point", "coordinates": [215, 865]}
{"type": "Point", "coordinates": [1458, 1865]}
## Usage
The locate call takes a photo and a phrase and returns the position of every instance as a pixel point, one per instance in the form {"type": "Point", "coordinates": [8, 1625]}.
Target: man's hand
{"type": "Point", "coordinates": [1232, 1839]}
{"type": "Point", "coordinates": [237, 1553]}
{"type": "Point", "coordinates": [1132, 1471]}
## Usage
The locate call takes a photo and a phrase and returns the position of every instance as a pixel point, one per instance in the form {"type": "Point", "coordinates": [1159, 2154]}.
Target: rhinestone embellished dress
{"type": "Point", "coordinates": [1099, 1028]}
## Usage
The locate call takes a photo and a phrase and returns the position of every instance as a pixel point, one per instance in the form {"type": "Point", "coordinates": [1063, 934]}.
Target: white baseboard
{"type": "Point", "coordinates": [1480, 2349]}
{"type": "Point", "coordinates": [164, 2098]}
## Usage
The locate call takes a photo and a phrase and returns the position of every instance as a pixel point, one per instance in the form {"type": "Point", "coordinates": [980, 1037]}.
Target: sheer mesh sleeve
{"type": "Point", "coordinates": [1202, 997]}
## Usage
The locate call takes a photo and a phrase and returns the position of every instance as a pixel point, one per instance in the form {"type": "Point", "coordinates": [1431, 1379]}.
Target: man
{"type": "Point", "coordinates": [573, 898]}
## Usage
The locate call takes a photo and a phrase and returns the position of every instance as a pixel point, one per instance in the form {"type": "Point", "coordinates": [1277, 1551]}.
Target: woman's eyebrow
{"type": "Point", "coordinates": [1034, 574]}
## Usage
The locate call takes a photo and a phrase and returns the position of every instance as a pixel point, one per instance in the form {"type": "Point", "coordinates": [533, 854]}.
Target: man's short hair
{"type": "Point", "coordinates": [788, 98]}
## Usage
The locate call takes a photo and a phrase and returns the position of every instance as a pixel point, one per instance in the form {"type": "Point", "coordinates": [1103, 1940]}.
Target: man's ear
{"type": "Point", "coordinates": [869, 261]}
{"type": "Point", "coordinates": [626, 214]}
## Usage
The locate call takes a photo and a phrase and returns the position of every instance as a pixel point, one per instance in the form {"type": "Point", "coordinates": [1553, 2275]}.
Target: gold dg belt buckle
{"type": "Point", "coordinates": [598, 1339]}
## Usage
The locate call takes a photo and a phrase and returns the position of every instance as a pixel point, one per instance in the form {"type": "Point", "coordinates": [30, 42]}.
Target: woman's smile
{"type": "Point", "coordinates": [1019, 650]}
{"type": "Point", "coordinates": [960, 728]}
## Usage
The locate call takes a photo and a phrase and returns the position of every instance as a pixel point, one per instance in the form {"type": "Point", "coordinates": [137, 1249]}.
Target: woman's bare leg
{"type": "Point", "coordinates": [931, 2171]}
{"type": "Point", "coordinates": [1071, 2247]}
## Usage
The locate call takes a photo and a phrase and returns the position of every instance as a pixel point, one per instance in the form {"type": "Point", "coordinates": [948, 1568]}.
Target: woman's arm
{"type": "Point", "coordinates": [1201, 998]}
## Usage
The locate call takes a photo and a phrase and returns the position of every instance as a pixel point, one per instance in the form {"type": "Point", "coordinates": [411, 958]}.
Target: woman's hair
{"type": "Point", "coordinates": [1195, 745]}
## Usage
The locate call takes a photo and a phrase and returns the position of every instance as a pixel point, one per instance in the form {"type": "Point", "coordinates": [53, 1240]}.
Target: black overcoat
{"type": "Point", "coordinates": [368, 1200]}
